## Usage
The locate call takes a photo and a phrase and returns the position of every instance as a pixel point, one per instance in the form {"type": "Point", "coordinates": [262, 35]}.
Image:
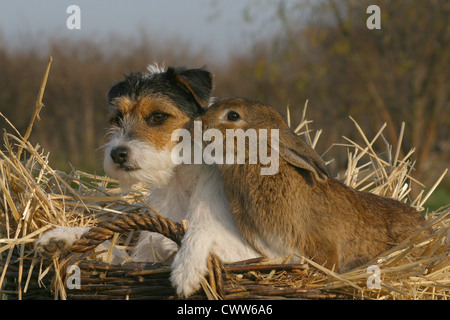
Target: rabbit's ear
{"type": "Point", "coordinates": [297, 152]}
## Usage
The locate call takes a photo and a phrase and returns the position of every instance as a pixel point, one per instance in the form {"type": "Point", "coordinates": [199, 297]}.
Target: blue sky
{"type": "Point", "coordinates": [216, 24]}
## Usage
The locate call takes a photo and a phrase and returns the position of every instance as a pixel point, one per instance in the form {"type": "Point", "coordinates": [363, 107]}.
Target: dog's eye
{"type": "Point", "coordinates": [233, 116]}
{"type": "Point", "coordinates": [156, 118]}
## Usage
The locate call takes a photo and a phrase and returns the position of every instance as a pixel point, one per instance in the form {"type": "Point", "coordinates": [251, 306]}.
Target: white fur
{"type": "Point", "coordinates": [212, 229]}
{"type": "Point", "coordinates": [171, 201]}
{"type": "Point", "coordinates": [156, 68]}
{"type": "Point", "coordinates": [70, 233]}
{"type": "Point", "coordinates": [155, 166]}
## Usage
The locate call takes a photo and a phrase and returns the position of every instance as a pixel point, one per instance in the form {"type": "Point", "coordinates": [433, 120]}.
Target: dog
{"type": "Point", "coordinates": [146, 110]}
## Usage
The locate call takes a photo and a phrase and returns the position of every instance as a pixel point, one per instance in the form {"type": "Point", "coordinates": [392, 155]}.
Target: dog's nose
{"type": "Point", "coordinates": [119, 155]}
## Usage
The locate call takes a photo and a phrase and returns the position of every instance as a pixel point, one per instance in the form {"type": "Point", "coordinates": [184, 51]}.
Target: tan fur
{"type": "Point", "coordinates": [300, 209]}
{"type": "Point", "coordinates": [158, 136]}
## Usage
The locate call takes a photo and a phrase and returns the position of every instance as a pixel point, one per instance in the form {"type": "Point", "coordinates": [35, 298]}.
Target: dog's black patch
{"type": "Point", "coordinates": [189, 89]}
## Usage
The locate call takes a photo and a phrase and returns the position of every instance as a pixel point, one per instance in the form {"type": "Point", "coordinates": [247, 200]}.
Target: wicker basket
{"type": "Point", "coordinates": [251, 279]}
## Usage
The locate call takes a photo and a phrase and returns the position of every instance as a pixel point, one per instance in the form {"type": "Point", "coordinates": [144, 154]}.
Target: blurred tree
{"type": "Point", "coordinates": [403, 68]}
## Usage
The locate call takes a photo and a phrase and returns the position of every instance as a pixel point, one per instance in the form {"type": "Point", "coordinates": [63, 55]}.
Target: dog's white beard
{"type": "Point", "coordinates": [155, 167]}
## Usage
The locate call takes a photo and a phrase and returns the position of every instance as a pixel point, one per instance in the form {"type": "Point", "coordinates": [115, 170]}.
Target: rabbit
{"type": "Point", "coordinates": [301, 209]}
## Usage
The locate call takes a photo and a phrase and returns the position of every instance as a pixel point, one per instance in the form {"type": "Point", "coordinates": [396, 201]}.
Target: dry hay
{"type": "Point", "coordinates": [35, 198]}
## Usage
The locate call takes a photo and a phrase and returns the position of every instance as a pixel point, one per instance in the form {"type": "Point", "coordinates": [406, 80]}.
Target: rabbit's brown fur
{"type": "Point", "coordinates": [300, 209]}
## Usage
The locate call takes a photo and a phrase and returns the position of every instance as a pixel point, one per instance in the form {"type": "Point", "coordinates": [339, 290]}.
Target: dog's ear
{"type": "Point", "coordinates": [198, 82]}
{"type": "Point", "coordinates": [298, 153]}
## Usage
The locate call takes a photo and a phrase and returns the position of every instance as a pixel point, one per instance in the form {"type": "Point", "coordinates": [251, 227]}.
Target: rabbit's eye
{"type": "Point", "coordinates": [233, 116]}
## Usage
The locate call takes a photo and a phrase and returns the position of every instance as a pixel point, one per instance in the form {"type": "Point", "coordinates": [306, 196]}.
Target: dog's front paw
{"type": "Point", "coordinates": [187, 276]}
{"type": "Point", "coordinates": [57, 242]}
{"type": "Point", "coordinates": [185, 281]}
